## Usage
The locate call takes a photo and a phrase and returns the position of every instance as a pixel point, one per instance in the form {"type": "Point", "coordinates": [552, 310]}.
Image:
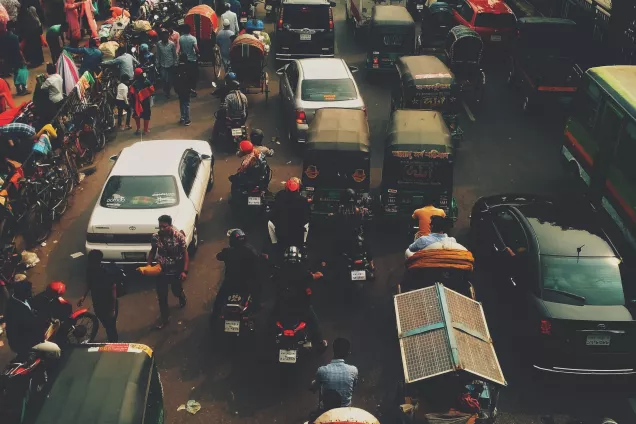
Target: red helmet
{"type": "Point", "coordinates": [138, 71]}
{"type": "Point", "coordinates": [152, 33]}
{"type": "Point", "coordinates": [246, 147]}
{"type": "Point", "coordinates": [57, 287]}
{"type": "Point", "coordinates": [292, 184]}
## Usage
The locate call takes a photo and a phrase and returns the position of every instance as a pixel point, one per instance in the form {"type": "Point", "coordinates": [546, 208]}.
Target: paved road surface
{"type": "Point", "coordinates": [504, 151]}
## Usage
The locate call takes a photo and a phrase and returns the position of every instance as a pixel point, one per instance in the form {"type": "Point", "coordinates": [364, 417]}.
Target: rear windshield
{"type": "Point", "coordinates": [582, 281]}
{"type": "Point", "coordinates": [132, 192]}
{"type": "Point", "coordinates": [493, 20]}
{"type": "Point", "coordinates": [331, 90]}
{"type": "Point", "coordinates": [306, 16]}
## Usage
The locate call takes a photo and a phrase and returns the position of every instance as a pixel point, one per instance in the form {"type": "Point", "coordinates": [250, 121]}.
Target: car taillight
{"type": "Point", "coordinates": [280, 20]}
{"type": "Point", "coordinates": [546, 327]}
{"type": "Point", "coordinates": [301, 117]}
{"type": "Point", "coordinates": [330, 19]}
{"type": "Point", "coordinates": [358, 262]}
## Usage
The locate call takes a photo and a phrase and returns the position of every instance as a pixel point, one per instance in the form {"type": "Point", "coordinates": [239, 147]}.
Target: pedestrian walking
{"type": "Point", "coordinates": [170, 250]}
{"type": "Point", "coordinates": [13, 59]}
{"type": "Point", "coordinates": [182, 88]}
{"type": "Point", "coordinates": [55, 40]}
{"type": "Point", "coordinates": [72, 19]}
{"type": "Point", "coordinates": [224, 40]}
{"type": "Point", "coordinates": [337, 376]}
{"type": "Point", "coordinates": [31, 33]}
{"type": "Point", "coordinates": [231, 16]}
{"type": "Point", "coordinates": [140, 92]}
{"type": "Point", "coordinates": [173, 35]}
{"type": "Point", "coordinates": [101, 283]}
{"type": "Point", "coordinates": [188, 46]}
{"type": "Point", "coordinates": [122, 103]}
{"type": "Point", "coordinates": [167, 61]}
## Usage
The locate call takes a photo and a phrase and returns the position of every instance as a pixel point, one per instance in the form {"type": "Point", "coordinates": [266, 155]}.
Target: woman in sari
{"type": "Point", "coordinates": [72, 17]}
{"type": "Point", "coordinates": [87, 11]}
{"type": "Point", "coordinates": [6, 99]}
{"type": "Point", "coordinates": [31, 31]}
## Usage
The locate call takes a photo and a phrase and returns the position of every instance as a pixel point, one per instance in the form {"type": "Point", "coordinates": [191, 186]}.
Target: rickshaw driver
{"type": "Point", "coordinates": [424, 215]}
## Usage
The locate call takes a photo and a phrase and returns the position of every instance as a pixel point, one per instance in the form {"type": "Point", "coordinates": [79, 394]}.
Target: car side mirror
{"type": "Point", "coordinates": [354, 69]}
{"type": "Point", "coordinates": [280, 71]}
{"type": "Point", "coordinates": [206, 157]}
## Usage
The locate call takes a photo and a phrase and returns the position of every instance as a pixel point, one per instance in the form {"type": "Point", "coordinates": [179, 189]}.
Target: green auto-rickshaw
{"type": "Point", "coordinates": [391, 35]}
{"type": "Point", "coordinates": [426, 83]}
{"type": "Point", "coordinates": [418, 165]}
{"type": "Point", "coordinates": [336, 158]}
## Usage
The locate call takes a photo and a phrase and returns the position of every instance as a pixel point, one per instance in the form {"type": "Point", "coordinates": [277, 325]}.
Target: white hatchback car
{"type": "Point", "coordinates": [150, 179]}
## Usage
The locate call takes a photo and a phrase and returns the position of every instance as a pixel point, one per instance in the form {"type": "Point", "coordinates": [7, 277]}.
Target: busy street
{"type": "Point", "coordinates": [504, 150]}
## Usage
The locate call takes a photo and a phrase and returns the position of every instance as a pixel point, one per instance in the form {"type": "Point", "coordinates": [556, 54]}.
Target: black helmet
{"type": "Point", "coordinates": [348, 196]}
{"type": "Point", "coordinates": [234, 85]}
{"type": "Point", "coordinates": [292, 255]}
{"type": "Point", "coordinates": [237, 238]}
{"type": "Point", "coordinates": [256, 137]}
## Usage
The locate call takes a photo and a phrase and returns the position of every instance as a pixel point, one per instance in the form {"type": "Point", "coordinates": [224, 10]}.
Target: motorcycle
{"type": "Point", "coordinates": [358, 266]}
{"type": "Point", "coordinates": [251, 192]}
{"type": "Point", "coordinates": [292, 340]}
{"type": "Point", "coordinates": [236, 315]}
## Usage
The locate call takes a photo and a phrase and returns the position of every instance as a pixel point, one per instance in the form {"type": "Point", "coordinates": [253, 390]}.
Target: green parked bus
{"type": "Point", "coordinates": [600, 142]}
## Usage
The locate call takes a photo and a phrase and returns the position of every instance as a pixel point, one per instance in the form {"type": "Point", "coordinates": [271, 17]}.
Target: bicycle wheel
{"type": "Point", "coordinates": [71, 166]}
{"type": "Point", "coordinates": [58, 199]}
{"type": "Point", "coordinates": [37, 224]}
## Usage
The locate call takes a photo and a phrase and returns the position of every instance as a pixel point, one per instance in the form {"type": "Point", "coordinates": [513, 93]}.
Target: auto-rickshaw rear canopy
{"type": "Point", "coordinates": [547, 34]}
{"type": "Point", "coordinates": [441, 332]}
{"type": "Point", "coordinates": [422, 131]}
{"type": "Point", "coordinates": [100, 384]}
{"type": "Point", "coordinates": [392, 18]}
{"type": "Point", "coordinates": [424, 71]}
{"type": "Point", "coordinates": [339, 130]}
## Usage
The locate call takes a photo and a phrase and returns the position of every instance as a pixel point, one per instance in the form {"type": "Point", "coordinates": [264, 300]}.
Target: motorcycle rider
{"type": "Point", "coordinates": [50, 304]}
{"type": "Point", "coordinates": [291, 211]}
{"type": "Point", "coordinates": [235, 104]}
{"type": "Point", "coordinates": [24, 329]}
{"type": "Point", "coordinates": [254, 170]}
{"type": "Point", "coordinates": [293, 293]}
{"type": "Point", "coordinates": [242, 271]}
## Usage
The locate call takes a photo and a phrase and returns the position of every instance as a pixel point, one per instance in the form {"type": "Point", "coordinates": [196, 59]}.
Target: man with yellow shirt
{"type": "Point", "coordinates": [423, 216]}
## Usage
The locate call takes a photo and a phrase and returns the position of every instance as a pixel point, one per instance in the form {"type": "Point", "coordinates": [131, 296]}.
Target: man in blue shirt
{"type": "Point", "coordinates": [224, 40]}
{"type": "Point", "coordinates": [188, 47]}
{"type": "Point", "coordinates": [91, 56]}
{"type": "Point", "coordinates": [337, 377]}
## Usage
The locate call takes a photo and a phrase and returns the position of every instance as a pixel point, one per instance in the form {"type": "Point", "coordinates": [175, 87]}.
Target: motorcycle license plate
{"type": "Point", "coordinates": [232, 326]}
{"type": "Point", "coordinates": [268, 7]}
{"type": "Point", "coordinates": [305, 37]}
{"type": "Point", "coordinates": [420, 7]}
{"type": "Point", "coordinates": [237, 132]}
{"type": "Point", "coordinates": [243, 20]}
{"type": "Point", "coordinates": [358, 275]}
{"type": "Point", "coordinates": [495, 38]}
{"type": "Point", "coordinates": [254, 201]}
{"type": "Point", "coordinates": [180, 21]}
{"type": "Point", "coordinates": [598, 340]}
{"type": "Point", "coordinates": [287, 356]}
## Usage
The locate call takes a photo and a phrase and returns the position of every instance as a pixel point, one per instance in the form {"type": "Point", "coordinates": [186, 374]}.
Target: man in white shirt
{"type": "Point", "coordinates": [53, 84]}
{"type": "Point", "coordinates": [122, 102]}
{"type": "Point", "coordinates": [231, 16]}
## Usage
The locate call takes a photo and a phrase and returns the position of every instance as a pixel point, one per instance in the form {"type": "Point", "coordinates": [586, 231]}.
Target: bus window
{"type": "Point", "coordinates": [588, 105]}
{"type": "Point", "coordinates": [622, 172]}
{"type": "Point", "coordinates": [609, 127]}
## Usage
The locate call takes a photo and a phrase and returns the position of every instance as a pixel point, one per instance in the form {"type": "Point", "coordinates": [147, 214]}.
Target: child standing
{"type": "Point", "coordinates": [122, 102]}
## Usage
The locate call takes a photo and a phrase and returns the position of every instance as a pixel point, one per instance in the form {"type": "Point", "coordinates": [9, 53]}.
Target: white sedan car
{"type": "Point", "coordinates": [150, 179]}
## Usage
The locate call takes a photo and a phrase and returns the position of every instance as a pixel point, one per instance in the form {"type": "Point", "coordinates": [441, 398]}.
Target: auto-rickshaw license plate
{"type": "Point", "coordinates": [420, 7]}
{"type": "Point", "coordinates": [287, 356]}
{"type": "Point", "coordinates": [305, 37]}
{"type": "Point", "coordinates": [598, 340]}
{"type": "Point", "coordinates": [232, 326]}
{"type": "Point", "coordinates": [236, 131]}
{"type": "Point", "coordinates": [253, 201]}
{"type": "Point", "coordinates": [358, 275]}
{"type": "Point", "coordinates": [243, 20]}
{"type": "Point", "coordinates": [180, 21]}
{"type": "Point", "coordinates": [495, 38]}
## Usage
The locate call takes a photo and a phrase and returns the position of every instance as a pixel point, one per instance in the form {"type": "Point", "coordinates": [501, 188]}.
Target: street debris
{"type": "Point", "coordinates": [77, 255]}
{"type": "Point", "coordinates": [288, 162]}
{"type": "Point", "coordinates": [81, 176]}
{"type": "Point", "coordinates": [43, 244]}
{"type": "Point", "coordinates": [192, 406]}
{"type": "Point", "coordinates": [30, 259]}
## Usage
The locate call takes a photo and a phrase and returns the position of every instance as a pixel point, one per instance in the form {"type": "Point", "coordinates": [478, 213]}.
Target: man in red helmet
{"type": "Point", "coordinates": [253, 166]}
{"type": "Point", "coordinates": [50, 304]}
{"type": "Point", "coordinates": [290, 216]}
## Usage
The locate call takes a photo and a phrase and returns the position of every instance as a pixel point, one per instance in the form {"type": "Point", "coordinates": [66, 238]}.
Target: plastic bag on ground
{"type": "Point", "coordinates": [29, 259]}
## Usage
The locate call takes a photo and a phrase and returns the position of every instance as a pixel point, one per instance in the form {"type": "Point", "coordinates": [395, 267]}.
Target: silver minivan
{"type": "Point", "coordinates": [307, 85]}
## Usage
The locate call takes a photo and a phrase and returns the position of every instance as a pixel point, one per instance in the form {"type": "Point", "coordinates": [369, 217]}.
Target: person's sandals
{"type": "Point", "coordinates": [161, 323]}
{"type": "Point", "coordinates": [183, 300]}
{"type": "Point", "coordinates": [187, 123]}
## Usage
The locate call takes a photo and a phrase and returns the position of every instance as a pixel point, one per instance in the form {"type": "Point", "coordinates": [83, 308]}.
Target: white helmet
{"type": "Point", "coordinates": [347, 415]}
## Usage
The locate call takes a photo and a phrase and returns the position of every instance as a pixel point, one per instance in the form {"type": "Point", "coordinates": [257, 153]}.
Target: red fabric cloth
{"type": "Point", "coordinates": [6, 99]}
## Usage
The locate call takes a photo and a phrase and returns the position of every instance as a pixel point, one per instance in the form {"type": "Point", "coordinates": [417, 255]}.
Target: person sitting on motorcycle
{"type": "Point", "coordinates": [235, 104]}
{"type": "Point", "coordinates": [24, 329]}
{"type": "Point", "coordinates": [349, 225]}
{"type": "Point", "coordinates": [424, 215]}
{"type": "Point", "coordinates": [437, 239]}
{"type": "Point", "coordinates": [242, 273]}
{"type": "Point", "coordinates": [253, 169]}
{"type": "Point", "coordinates": [290, 216]}
{"type": "Point", "coordinates": [50, 304]}
{"type": "Point", "coordinates": [293, 281]}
